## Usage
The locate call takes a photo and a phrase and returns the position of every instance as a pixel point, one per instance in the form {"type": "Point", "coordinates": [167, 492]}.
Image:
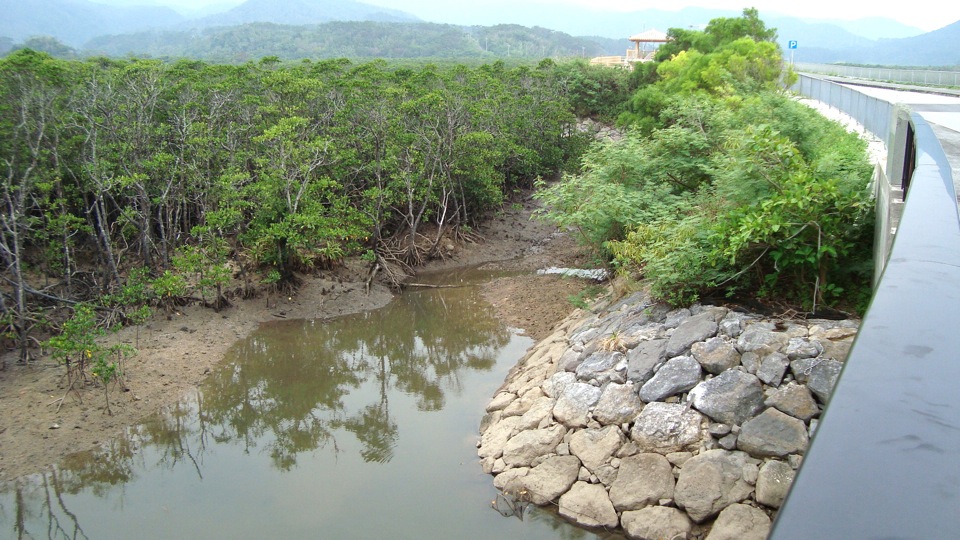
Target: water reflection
{"type": "Point", "coordinates": [289, 383]}
{"type": "Point", "coordinates": [358, 427]}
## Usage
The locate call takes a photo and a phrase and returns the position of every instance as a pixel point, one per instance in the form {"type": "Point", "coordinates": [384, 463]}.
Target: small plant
{"type": "Point", "coordinates": [369, 256]}
{"type": "Point", "coordinates": [107, 370]}
{"type": "Point", "coordinates": [168, 289]}
{"type": "Point", "coordinates": [613, 343]}
{"type": "Point", "coordinates": [76, 344]}
{"type": "Point", "coordinates": [583, 298]}
{"type": "Point", "coordinates": [272, 282]}
{"type": "Point", "coordinates": [78, 350]}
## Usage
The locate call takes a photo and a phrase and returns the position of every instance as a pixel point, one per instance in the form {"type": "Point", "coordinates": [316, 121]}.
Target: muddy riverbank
{"type": "Point", "coordinates": [176, 354]}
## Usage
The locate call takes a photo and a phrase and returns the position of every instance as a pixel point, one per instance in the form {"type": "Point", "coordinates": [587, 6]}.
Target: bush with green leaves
{"type": "Point", "coordinates": [727, 185]}
{"type": "Point", "coordinates": [78, 348]}
{"type": "Point", "coordinates": [595, 91]}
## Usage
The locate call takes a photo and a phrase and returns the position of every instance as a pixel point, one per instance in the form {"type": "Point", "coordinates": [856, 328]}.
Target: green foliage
{"type": "Point", "coordinates": [673, 253]}
{"type": "Point", "coordinates": [135, 292]}
{"type": "Point", "coordinates": [76, 344]}
{"type": "Point", "coordinates": [168, 290]}
{"type": "Point", "coordinates": [188, 172]}
{"type": "Point", "coordinates": [582, 299]}
{"type": "Point", "coordinates": [725, 185]}
{"type": "Point", "coordinates": [612, 194]}
{"type": "Point", "coordinates": [796, 238]}
{"type": "Point", "coordinates": [595, 91]}
{"type": "Point", "coordinates": [77, 347]}
{"type": "Point", "coordinates": [718, 33]}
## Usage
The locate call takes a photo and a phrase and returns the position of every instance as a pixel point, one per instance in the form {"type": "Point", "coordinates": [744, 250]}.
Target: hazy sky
{"type": "Point", "coordinates": [925, 14]}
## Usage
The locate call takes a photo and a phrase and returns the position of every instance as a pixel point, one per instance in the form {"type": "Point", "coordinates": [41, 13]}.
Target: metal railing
{"type": "Point", "coordinates": [926, 77]}
{"type": "Point", "coordinates": [875, 115]}
{"type": "Point", "coordinates": [883, 462]}
{"type": "Point", "coordinates": [872, 113]}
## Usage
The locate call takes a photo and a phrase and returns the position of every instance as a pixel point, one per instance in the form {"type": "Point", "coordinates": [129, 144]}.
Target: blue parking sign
{"type": "Point", "coordinates": [792, 44]}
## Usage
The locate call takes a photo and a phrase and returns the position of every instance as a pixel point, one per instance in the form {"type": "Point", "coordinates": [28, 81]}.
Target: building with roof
{"type": "Point", "coordinates": [645, 47]}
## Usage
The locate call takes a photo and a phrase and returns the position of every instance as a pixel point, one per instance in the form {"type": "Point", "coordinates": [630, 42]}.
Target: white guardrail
{"type": "Point", "coordinates": [926, 77]}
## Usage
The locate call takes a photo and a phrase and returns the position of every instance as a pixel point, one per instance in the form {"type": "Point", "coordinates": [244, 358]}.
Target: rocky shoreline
{"type": "Point", "coordinates": [686, 423]}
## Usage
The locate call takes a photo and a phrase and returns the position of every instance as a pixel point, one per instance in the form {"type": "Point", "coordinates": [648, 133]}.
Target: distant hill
{"type": "Point", "coordinates": [876, 28]}
{"type": "Point", "coordinates": [815, 34]}
{"type": "Point", "coordinates": [573, 19]}
{"type": "Point", "coordinates": [302, 12]}
{"type": "Point", "coordinates": [355, 39]}
{"type": "Point", "coordinates": [468, 28]}
{"type": "Point", "coordinates": [938, 48]}
{"type": "Point", "coordinates": [76, 21]}
{"type": "Point", "coordinates": [584, 21]}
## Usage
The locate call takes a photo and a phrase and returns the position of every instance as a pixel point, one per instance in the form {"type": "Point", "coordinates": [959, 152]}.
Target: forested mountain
{"type": "Point", "coordinates": [870, 27]}
{"type": "Point", "coordinates": [76, 21]}
{"type": "Point", "coordinates": [938, 48]}
{"type": "Point", "coordinates": [346, 39]}
{"type": "Point", "coordinates": [302, 12]}
{"type": "Point", "coordinates": [582, 21]}
{"type": "Point", "coordinates": [815, 34]}
{"type": "Point", "coordinates": [260, 28]}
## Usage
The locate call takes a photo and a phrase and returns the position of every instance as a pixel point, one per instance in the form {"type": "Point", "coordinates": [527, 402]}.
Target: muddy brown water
{"type": "Point", "coordinates": [360, 427]}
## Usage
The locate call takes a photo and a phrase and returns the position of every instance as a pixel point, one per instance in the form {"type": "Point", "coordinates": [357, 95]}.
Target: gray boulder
{"type": "Point", "coordinates": [774, 483]}
{"type": "Point", "coordinates": [569, 360]}
{"type": "Point", "coordinates": [674, 318]}
{"type": "Point", "coordinates": [696, 328]}
{"type": "Point", "coordinates": [772, 368]}
{"type": "Point", "coordinates": [712, 481]}
{"type": "Point", "coordinates": [573, 406]}
{"type": "Point", "coordinates": [595, 446]}
{"type": "Point", "coordinates": [716, 355]}
{"type": "Point", "coordinates": [644, 359]}
{"type": "Point", "coordinates": [526, 446]}
{"type": "Point", "coordinates": [501, 480]}
{"type": "Point", "coordinates": [501, 401]}
{"type": "Point", "coordinates": [740, 522]}
{"type": "Point", "coordinates": [823, 377]}
{"type": "Point", "coordinates": [524, 402]}
{"type": "Point", "coordinates": [666, 427]}
{"type": "Point", "coordinates": [618, 404]}
{"type": "Point", "coordinates": [557, 383]}
{"type": "Point", "coordinates": [496, 437]}
{"type": "Point", "coordinates": [545, 482]}
{"type": "Point", "coordinates": [732, 325]}
{"type": "Point", "coordinates": [761, 339]}
{"type": "Point", "coordinates": [750, 362]}
{"type": "Point", "coordinates": [656, 523]}
{"type": "Point", "coordinates": [730, 398]}
{"type": "Point", "coordinates": [802, 367]}
{"type": "Point", "coordinates": [603, 367]}
{"type": "Point", "coordinates": [676, 376]}
{"type": "Point", "coordinates": [794, 399]}
{"type": "Point", "coordinates": [773, 434]}
{"type": "Point", "coordinates": [588, 505]}
{"type": "Point", "coordinates": [803, 348]}
{"type": "Point", "coordinates": [643, 480]}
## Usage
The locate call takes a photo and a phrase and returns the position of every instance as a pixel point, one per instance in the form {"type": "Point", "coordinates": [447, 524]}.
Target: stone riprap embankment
{"type": "Point", "coordinates": [686, 423]}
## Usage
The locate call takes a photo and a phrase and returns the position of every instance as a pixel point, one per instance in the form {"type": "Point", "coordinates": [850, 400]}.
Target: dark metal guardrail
{"type": "Point", "coordinates": [885, 460]}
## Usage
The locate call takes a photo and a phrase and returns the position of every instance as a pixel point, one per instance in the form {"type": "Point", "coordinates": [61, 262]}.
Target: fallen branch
{"type": "Point", "coordinates": [429, 286]}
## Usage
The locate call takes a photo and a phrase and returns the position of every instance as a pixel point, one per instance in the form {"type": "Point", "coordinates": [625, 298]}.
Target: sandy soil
{"type": "Point", "coordinates": [176, 354]}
